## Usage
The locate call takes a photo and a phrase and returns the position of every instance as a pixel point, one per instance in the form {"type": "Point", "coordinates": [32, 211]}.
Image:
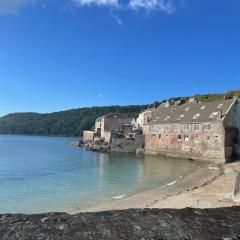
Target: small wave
{"type": "Point", "coordinates": [171, 183]}
{"type": "Point", "coordinates": [119, 197]}
{"type": "Point", "coordinates": [174, 182]}
{"type": "Point", "coordinates": [213, 168]}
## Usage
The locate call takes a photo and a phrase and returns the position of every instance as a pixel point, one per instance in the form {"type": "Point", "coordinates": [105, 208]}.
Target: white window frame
{"type": "Point", "coordinates": [176, 127]}
{"type": "Point", "coordinates": [197, 124]}
{"type": "Point", "coordinates": [216, 137]}
{"type": "Point", "coordinates": [206, 129]}
{"type": "Point", "coordinates": [188, 127]}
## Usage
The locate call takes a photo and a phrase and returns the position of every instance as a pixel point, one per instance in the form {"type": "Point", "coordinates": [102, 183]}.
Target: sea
{"type": "Point", "coordinates": [46, 174]}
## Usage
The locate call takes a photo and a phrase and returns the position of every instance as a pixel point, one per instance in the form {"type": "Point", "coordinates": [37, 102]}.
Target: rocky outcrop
{"type": "Point", "coordinates": [96, 146]}
{"type": "Point", "coordinates": [146, 224]}
{"type": "Point", "coordinates": [123, 145]}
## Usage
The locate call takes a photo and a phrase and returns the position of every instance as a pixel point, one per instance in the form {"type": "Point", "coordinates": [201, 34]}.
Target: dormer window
{"type": "Point", "coordinates": [166, 118]}
{"type": "Point", "coordinates": [213, 115]}
{"type": "Point", "coordinates": [197, 115]}
{"type": "Point", "coordinates": [180, 117]}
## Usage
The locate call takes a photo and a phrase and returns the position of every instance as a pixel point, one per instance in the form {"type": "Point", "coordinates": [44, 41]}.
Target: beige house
{"type": "Point", "coordinates": [109, 123]}
{"type": "Point", "coordinates": [204, 131]}
{"type": "Point", "coordinates": [144, 117]}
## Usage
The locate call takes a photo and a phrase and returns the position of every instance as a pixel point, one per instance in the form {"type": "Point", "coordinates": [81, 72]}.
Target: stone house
{"type": "Point", "coordinates": [203, 131]}
{"type": "Point", "coordinates": [112, 122]}
{"type": "Point", "coordinates": [144, 117]}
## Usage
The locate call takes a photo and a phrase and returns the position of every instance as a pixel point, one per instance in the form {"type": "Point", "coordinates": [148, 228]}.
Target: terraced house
{"type": "Point", "coordinates": [203, 131]}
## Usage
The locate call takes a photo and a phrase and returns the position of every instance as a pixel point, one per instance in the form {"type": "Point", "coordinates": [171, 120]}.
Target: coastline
{"type": "Point", "coordinates": [210, 186]}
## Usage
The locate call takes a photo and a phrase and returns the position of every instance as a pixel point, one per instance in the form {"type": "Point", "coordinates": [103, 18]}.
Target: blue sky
{"type": "Point", "coordinates": [62, 54]}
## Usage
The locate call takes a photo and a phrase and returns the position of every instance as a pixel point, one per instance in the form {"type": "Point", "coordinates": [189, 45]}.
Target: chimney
{"type": "Point", "coordinates": [220, 115]}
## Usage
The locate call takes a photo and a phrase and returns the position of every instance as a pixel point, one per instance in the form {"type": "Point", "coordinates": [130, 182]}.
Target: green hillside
{"type": "Point", "coordinates": [73, 122]}
{"type": "Point", "coordinates": [65, 123]}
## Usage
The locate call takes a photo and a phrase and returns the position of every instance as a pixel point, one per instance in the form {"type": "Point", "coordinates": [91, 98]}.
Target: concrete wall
{"type": "Point", "coordinates": [163, 139]}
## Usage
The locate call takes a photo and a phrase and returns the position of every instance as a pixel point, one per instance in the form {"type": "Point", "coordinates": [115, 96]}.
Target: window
{"type": "Point", "coordinates": [216, 137]}
{"type": "Point", "coordinates": [180, 117]}
{"type": "Point", "coordinates": [197, 138]}
{"type": "Point", "coordinates": [166, 127]}
{"type": "Point", "coordinates": [213, 115]}
{"type": "Point", "coordinates": [186, 127]}
{"type": "Point", "coordinates": [186, 138]}
{"type": "Point", "coordinates": [203, 107]}
{"type": "Point", "coordinates": [207, 127]}
{"type": "Point", "coordinates": [159, 136]}
{"type": "Point", "coordinates": [187, 109]}
{"type": "Point", "coordinates": [179, 138]}
{"type": "Point", "coordinates": [196, 127]}
{"type": "Point", "coordinates": [176, 127]}
{"type": "Point", "coordinates": [160, 128]}
{"type": "Point", "coordinates": [197, 115]}
{"type": "Point", "coordinates": [166, 118]}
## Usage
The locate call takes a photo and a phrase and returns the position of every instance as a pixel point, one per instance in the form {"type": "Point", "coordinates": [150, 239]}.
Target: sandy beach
{"type": "Point", "coordinates": [210, 186]}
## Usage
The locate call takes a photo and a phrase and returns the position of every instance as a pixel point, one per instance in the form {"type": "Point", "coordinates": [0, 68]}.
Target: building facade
{"type": "Point", "coordinates": [144, 117]}
{"type": "Point", "coordinates": [203, 131]}
{"type": "Point", "coordinates": [108, 125]}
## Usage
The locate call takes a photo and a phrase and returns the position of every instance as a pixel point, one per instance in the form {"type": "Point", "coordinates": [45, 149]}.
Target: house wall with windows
{"type": "Point", "coordinates": [190, 140]}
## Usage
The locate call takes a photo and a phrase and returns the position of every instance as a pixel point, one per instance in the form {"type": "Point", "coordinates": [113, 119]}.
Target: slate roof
{"type": "Point", "coordinates": [113, 115]}
{"type": "Point", "coordinates": [192, 112]}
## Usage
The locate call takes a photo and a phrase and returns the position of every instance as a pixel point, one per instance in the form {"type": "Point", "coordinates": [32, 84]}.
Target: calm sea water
{"type": "Point", "coordinates": [41, 174]}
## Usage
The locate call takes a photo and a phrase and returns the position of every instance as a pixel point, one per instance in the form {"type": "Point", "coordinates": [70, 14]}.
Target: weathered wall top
{"type": "Point", "coordinates": [190, 224]}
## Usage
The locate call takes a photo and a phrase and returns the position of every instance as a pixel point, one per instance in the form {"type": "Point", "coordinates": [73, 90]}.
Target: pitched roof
{"type": "Point", "coordinates": [113, 115]}
{"type": "Point", "coordinates": [192, 112]}
{"type": "Point", "coordinates": [116, 115]}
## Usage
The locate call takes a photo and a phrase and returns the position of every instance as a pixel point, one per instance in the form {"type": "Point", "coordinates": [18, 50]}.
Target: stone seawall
{"type": "Point", "coordinates": [189, 224]}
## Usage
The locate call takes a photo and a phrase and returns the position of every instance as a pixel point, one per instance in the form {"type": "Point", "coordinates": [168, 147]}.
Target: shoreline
{"type": "Point", "coordinates": [210, 186]}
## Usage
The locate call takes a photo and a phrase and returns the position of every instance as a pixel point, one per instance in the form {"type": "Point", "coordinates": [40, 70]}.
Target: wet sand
{"type": "Point", "coordinates": [210, 186]}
